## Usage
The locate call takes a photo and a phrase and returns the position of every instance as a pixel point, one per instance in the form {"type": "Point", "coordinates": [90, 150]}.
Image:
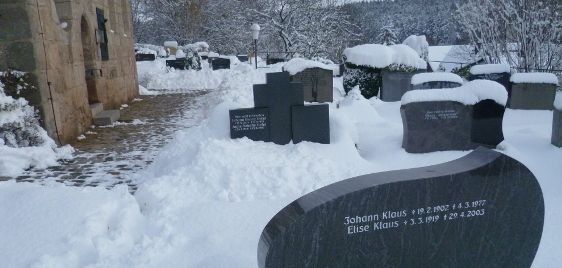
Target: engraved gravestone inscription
{"type": "Point", "coordinates": [483, 210]}
{"type": "Point", "coordinates": [251, 123]}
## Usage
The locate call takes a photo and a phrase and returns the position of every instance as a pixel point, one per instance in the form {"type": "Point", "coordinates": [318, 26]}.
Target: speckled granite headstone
{"type": "Point", "coordinates": [483, 210]}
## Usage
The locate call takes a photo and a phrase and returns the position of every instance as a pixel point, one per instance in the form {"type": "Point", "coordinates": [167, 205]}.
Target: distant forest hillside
{"type": "Point", "coordinates": [433, 18]}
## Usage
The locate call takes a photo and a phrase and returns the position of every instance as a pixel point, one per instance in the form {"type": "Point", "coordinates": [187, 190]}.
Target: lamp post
{"type": "Point", "coordinates": [255, 34]}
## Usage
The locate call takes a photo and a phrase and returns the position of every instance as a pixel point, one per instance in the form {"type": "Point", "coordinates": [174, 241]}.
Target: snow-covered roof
{"type": "Point", "coordinates": [298, 65]}
{"type": "Point", "coordinates": [469, 94]}
{"type": "Point", "coordinates": [171, 44]}
{"type": "Point", "coordinates": [380, 56]}
{"type": "Point", "coordinates": [490, 69]}
{"type": "Point", "coordinates": [534, 78]}
{"type": "Point", "coordinates": [421, 78]}
{"type": "Point", "coordinates": [558, 101]}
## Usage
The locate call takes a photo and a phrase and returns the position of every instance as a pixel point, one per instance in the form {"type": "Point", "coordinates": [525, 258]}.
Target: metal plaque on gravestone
{"type": "Point", "coordinates": [279, 95]}
{"type": "Point", "coordinates": [436, 126]}
{"type": "Point", "coordinates": [487, 123]}
{"type": "Point", "coordinates": [145, 57]}
{"type": "Point", "coordinates": [483, 210]}
{"type": "Point", "coordinates": [220, 63]}
{"type": "Point", "coordinates": [251, 122]}
{"type": "Point", "coordinates": [395, 84]}
{"type": "Point", "coordinates": [436, 84]}
{"type": "Point", "coordinates": [532, 96]}
{"type": "Point", "coordinates": [311, 123]}
{"type": "Point", "coordinates": [557, 128]}
{"type": "Point", "coordinates": [317, 84]}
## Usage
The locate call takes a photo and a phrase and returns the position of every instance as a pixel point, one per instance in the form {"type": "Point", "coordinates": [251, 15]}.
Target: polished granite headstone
{"type": "Point", "coordinates": [502, 78]}
{"type": "Point", "coordinates": [220, 63]}
{"type": "Point", "coordinates": [532, 96]}
{"type": "Point", "coordinates": [557, 128]}
{"type": "Point", "coordinates": [395, 84]}
{"type": "Point", "coordinates": [279, 94]}
{"type": "Point", "coordinates": [251, 123]}
{"type": "Point", "coordinates": [145, 57]}
{"type": "Point", "coordinates": [483, 210]}
{"type": "Point", "coordinates": [311, 123]}
{"type": "Point", "coordinates": [180, 64]}
{"type": "Point", "coordinates": [436, 126]}
{"type": "Point", "coordinates": [317, 84]}
{"type": "Point", "coordinates": [436, 84]}
{"type": "Point", "coordinates": [487, 123]}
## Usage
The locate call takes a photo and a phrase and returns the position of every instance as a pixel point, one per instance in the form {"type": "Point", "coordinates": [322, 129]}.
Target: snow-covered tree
{"type": "Point", "coordinates": [527, 34]}
{"type": "Point", "coordinates": [387, 36]}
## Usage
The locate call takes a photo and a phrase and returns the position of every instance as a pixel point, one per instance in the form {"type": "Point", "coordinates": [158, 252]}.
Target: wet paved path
{"type": "Point", "coordinates": [108, 155]}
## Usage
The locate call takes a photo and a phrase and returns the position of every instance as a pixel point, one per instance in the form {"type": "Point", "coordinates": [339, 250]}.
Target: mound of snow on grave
{"type": "Point", "coordinates": [469, 94]}
{"type": "Point", "coordinates": [380, 56]}
{"type": "Point", "coordinates": [421, 78]}
{"type": "Point", "coordinates": [490, 69]}
{"type": "Point", "coordinates": [298, 65]}
{"type": "Point", "coordinates": [534, 78]}
{"type": "Point", "coordinates": [23, 143]}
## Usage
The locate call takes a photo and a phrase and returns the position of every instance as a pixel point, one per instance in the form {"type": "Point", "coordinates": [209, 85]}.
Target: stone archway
{"type": "Point", "coordinates": [88, 53]}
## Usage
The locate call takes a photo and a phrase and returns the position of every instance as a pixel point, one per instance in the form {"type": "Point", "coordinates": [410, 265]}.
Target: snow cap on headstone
{"type": "Point", "coordinates": [297, 65]}
{"type": "Point", "coordinates": [469, 94]}
{"type": "Point", "coordinates": [380, 56]}
{"type": "Point", "coordinates": [534, 78]}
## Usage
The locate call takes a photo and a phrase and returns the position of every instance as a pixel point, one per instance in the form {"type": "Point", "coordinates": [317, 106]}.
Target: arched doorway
{"type": "Point", "coordinates": [89, 64]}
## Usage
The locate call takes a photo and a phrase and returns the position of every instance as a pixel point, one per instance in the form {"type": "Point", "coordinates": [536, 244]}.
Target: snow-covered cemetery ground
{"type": "Point", "coordinates": [206, 198]}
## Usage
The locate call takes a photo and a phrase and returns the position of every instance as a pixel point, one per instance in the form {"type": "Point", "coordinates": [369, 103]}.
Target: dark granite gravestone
{"type": "Point", "coordinates": [145, 57]}
{"type": "Point", "coordinates": [318, 84]}
{"type": "Point", "coordinates": [280, 104]}
{"type": "Point", "coordinates": [483, 210]}
{"type": "Point", "coordinates": [436, 84]}
{"type": "Point", "coordinates": [311, 123]}
{"type": "Point", "coordinates": [557, 128]}
{"type": "Point", "coordinates": [487, 123]}
{"type": "Point", "coordinates": [180, 64]}
{"type": "Point", "coordinates": [449, 125]}
{"type": "Point", "coordinates": [532, 96]}
{"type": "Point", "coordinates": [395, 84]}
{"type": "Point", "coordinates": [251, 123]}
{"type": "Point", "coordinates": [436, 126]}
{"type": "Point", "coordinates": [502, 78]}
{"type": "Point", "coordinates": [242, 58]}
{"type": "Point", "coordinates": [220, 63]}
{"type": "Point", "coordinates": [271, 61]}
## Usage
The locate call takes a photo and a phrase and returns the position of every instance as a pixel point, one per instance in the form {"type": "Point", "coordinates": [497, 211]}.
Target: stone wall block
{"type": "Point", "coordinates": [14, 22]}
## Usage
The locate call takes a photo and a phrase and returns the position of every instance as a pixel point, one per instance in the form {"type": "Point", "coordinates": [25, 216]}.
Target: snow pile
{"type": "Point", "coordinates": [558, 101]}
{"type": "Point", "coordinates": [180, 54]}
{"type": "Point", "coordinates": [297, 65]}
{"type": "Point", "coordinates": [145, 50]}
{"type": "Point", "coordinates": [23, 143]}
{"type": "Point", "coordinates": [153, 76]}
{"type": "Point", "coordinates": [419, 44]}
{"type": "Point", "coordinates": [534, 78]}
{"type": "Point", "coordinates": [469, 94]}
{"type": "Point", "coordinates": [173, 44]}
{"type": "Point", "coordinates": [380, 56]}
{"type": "Point", "coordinates": [490, 69]}
{"type": "Point", "coordinates": [421, 78]}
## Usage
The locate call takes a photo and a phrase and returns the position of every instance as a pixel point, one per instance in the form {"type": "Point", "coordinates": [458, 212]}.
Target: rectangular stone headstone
{"type": "Point", "coordinates": [318, 84]}
{"type": "Point", "coordinates": [532, 96]}
{"type": "Point", "coordinates": [502, 78]}
{"type": "Point", "coordinates": [436, 84]}
{"type": "Point", "coordinates": [436, 126]}
{"type": "Point", "coordinates": [395, 84]}
{"type": "Point", "coordinates": [242, 58]}
{"type": "Point", "coordinates": [487, 123]}
{"type": "Point", "coordinates": [180, 64]}
{"type": "Point", "coordinates": [483, 210]}
{"type": "Point", "coordinates": [557, 128]}
{"type": "Point", "coordinates": [311, 123]}
{"type": "Point", "coordinates": [220, 63]}
{"type": "Point", "coordinates": [251, 123]}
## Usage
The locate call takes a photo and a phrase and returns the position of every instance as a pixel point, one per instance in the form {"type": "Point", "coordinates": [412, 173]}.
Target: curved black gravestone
{"type": "Point", "coordinates": [483, 210]}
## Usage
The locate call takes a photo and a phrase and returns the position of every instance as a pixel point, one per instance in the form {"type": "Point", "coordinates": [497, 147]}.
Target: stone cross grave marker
{"type": "Point", "coordinates": [280, 104]}
{"type": "Point", "coordinates": [318, 84]}
{"type": "Point", "coordinates": [483, 210]}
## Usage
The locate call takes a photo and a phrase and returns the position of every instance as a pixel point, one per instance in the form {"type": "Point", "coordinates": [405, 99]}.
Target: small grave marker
{"type": "Point", "coordinates": [220, 63]}
{"type": "Point", "coordinates": [533, 91]}
{"type": "Point", "coordinates": [395, 84]}
{"type": "Point", "coordinates": [145, 57]}
{"type": "Point", "coordinates": [318, 84]}
{"type": "Point", "coordinates": [251, 123]}
{"type": "Point", "coordinates": [483, 210]}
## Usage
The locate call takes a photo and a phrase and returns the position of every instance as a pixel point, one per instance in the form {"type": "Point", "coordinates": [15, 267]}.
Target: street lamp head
{"type": "Point", "coordinates": [255, 31]}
